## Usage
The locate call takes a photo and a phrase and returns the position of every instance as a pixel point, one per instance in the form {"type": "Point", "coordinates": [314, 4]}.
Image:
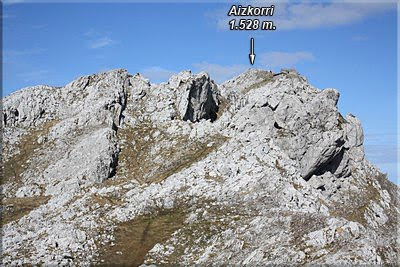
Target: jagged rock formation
{"type": "Point", "coordinates": [198, 99]}
{"type": "Point", "coordinates": [261, 169]}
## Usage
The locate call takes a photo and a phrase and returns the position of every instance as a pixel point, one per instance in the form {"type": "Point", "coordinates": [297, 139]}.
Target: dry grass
{"type": "Point", "coordinates": [197, 235]}
{"type": "Point", "coordinates": [222, 107]}
{"type": "Point", "coordinates": [281, 170]}
{"type": "Point", "coordinates": [265, 78]}
{"type": "Point", "coordinates": [28, 145]}
{"type": "Point", "coordinates": [218, 179]}
{"type": "Point", "coordinates": [357, 205]}
{"type": "Point", "coordinates": [29, 149]}
{"type": "Point", "coordinates": [297, 186]}
{"type": "Point", "coordinates": [185, 157]}
{"type": "Point", "coordinates": [302, 224]}
{"type": "Point", "coordinates": [109, 200]}
{"type": "Point", "coordinates": [133, 239]}
{"type": "Point", "coordinates": [137, 162]}
{"type": "Point", "coordinates": [16, 208]}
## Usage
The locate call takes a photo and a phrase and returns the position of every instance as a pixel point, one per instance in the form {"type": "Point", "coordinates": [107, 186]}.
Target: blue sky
{"type": "Point", "coordinates": [351, 47]}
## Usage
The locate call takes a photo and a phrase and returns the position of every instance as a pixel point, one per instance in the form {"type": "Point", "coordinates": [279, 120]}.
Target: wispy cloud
{"type": "Point", "coordinates": [277, 59]}
{"type": "Point", "coordinates": [311, 15]}
{"type": "Point", "coordinates": [18, 64]}
{"type": "Point", "coordinates": [100, 42]}
{"type": "Point", "coordinates": [97, 39]}
{"type": "Point", "coordinates": [385, 157]}
{"type": "Point", "coordinates": [157, 74]}
{"type": "Point", "coordinates": [33, 76]}
{"type": "Point", "coordinates": [359, 38]}
{"type": "Point", "coordinates": [91, 33]}
{"type": "Point", "coordinates": [24, 52]}
{"type": "Point", "coordinates": [268, 60]}
{"type": "Point", "coordinates": [381, 148]}
{"type": "Point", "coordinates": [14, 55]}
{"type": "Point", "coordinates": [385, 153]}
{"type": "Point", "coordinates": [220, 73]}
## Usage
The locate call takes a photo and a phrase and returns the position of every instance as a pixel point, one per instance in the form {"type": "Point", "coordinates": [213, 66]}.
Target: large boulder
{"type": "Point", "coordinates": [199, 99]}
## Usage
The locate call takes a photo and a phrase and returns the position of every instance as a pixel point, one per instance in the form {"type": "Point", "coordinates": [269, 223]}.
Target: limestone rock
{"type": "Point", "coordinates": [353, 132]}
{"type": "Point", "coordinates": [29, 106]}
{"type": "Point", "coordinates": [199, 99]}
{"type": "Point", "coordinates": [259, 170]}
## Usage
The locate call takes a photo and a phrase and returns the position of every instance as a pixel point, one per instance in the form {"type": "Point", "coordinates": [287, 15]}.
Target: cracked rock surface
{"type": "Point", "coordinates": [261, 169]}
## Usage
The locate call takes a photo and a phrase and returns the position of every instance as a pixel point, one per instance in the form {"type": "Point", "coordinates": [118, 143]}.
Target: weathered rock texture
{"type": "Point", "coordinates": [261, 169]}
{"type": "Point", "coordinates": [198, 99]}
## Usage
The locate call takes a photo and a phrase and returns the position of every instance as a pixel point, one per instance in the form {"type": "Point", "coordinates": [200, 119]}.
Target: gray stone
{"type": "Point", "coordinates": [279, 177]}
{"type": "Point", "coordinates": [199, 99]}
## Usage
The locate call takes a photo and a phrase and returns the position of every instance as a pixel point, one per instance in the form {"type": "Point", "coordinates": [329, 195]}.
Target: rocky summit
{"type": "Point", "coordinates": [261, 169]}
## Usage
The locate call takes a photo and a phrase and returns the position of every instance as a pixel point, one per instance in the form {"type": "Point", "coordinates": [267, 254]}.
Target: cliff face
{"type": "Point", "coordinates": [260, 169]}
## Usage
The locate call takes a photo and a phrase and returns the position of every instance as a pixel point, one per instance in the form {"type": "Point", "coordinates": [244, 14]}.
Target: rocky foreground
{"type": "Point", "coordinates": [261, 169]}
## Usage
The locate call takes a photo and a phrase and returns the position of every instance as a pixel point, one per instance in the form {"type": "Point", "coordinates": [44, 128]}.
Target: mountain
{"type": "Point", "coordinates": [261, 169]}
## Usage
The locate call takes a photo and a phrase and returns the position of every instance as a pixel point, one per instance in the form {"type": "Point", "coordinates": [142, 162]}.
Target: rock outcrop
{"type": "Point", "coordinates": [199, 99]}
{"type": "Point", "coordinates": [261, 169]}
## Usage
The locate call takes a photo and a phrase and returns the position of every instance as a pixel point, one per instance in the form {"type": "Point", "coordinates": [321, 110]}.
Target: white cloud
{"type": "Point", "coordinates": [100, 42]}
{"type": "Point", "coordinates": [277, 59]}
{"type": "Point", "coordinates": [220, 73]}
{"type": "Point", "coordinates": [157, 74]}
{"type": "Point", "coordinates": [309, 15]}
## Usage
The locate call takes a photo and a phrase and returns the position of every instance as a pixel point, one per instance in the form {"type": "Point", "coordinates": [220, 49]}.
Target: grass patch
{"type": "Point", "coordinates": [27, 146]}
{"type": "Point", "coordinates": [217, 178]}
{"type": "Point", "coordinates": [264, 77]}
{"type": "Point", "coordinates": [15, 208]}
{"type": "Point", "coordinates": [185, 158]}
{"type": "Point", "coordinates": [357, 205]}
{"type": "Point", "coordinates": [174, 153]}
{"type": "Point", "coordinates": [196, 236]}
{"type": "Point", "coordinates": [133, 239]}
{"type": "Point", "coordinates": [222, 107]}
{"type": "Point", "coordinates": [106, 200]}
{"type": "Point", "coordinates": [281, 170]}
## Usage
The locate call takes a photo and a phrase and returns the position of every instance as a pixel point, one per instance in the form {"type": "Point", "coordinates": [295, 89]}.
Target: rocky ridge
{"type": "Point", "coordinates": [261, 169]}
